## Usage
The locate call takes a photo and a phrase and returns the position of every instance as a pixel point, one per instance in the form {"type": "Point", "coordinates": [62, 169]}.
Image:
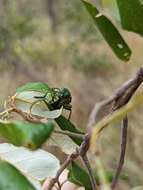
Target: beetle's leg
{"type": "Point", "coordinates": [42, 97]}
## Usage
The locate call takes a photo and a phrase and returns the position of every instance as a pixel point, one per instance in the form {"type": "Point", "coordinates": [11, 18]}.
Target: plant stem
{"type": "Point", "coordinates": [89, 169]}
{"type": "Point", "coordinates": [119, 98]}
{"type": "Point", "coordinates": [6, 111]}
{"type": "Point", "coordinates": [71, 134]}
{"type": "Point", "coordinates": [122, 154]}
{"type": "Point", "coordinates": [70, 158]}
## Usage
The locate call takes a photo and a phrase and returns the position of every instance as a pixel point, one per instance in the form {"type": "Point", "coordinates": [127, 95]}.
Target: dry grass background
{"type": "Point", "coordinates": [87, 88]}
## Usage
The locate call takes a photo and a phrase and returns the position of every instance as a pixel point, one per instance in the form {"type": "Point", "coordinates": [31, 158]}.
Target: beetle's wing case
{"type": "Point", "coordinates": [52, 95]}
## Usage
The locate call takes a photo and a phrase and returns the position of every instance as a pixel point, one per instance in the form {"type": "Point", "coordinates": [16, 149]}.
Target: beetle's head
{"type": "Point", "coordinates": [64, 98]}
{"type": "Point", "coordinates": [65, 94]}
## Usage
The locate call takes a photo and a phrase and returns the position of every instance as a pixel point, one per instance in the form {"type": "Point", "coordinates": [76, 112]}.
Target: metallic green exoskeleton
{"type": "Point", "coordinates": [55, 98]}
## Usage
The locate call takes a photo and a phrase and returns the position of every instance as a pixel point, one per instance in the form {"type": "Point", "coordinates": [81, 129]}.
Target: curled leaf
{"type": "Point", "coordinates": [26, 102]}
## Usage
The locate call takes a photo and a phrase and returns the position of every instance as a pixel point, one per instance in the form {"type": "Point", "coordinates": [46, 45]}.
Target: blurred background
{"type": "Point", "coordinates": [56, 42]}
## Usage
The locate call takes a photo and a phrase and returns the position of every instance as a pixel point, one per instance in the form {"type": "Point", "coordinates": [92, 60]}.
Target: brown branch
{"type": "Point", "coordinates": [119, 98]}
{"type": "Point", "coordinates": [81, 151]}
{"type": "Point", "coordinates": [122, 154]}
{"type": "Point", "coordinates": [94, 113]}
{"type": "Point", "coordinates": [70, 158]}
{"type": "Point", "coordinates": [27, 117]}
{"type": "Point", "coordinates": [90, 172]}
{"type": "Point", "coordinates": [83, 154]}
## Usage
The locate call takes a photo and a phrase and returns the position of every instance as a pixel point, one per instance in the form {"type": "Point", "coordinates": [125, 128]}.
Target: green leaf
{"type": "Point", "coordinates": [34, 86]}
{"type": "Point", "coordinates": [131, 13]}
{"type": "Point", "coordinates": [67, 125]}
{"type": "Point", "coordinates": [26, 134]}
{"type": "Point", "coordinates": [12, 179]}
{"type": "Point", "coordinates": [109, 32]}
{"type": "Point", "coordinates": [79, 176]}
{"type": "Point", "coordinates": [37, 164]}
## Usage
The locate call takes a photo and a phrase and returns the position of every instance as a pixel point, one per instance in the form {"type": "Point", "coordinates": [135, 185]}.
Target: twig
{"type": "Point", "coordinates": [90, 172]}
{"type": "Point", "coordinates": [81, 151]}
{"type": "Point", "coordinates": [70, 158]}
{"type": "Point", "coordinates": [94, 113]}
{"type": "Point", "coordinates": [59, 185]}
{"type": "Point", "coordinates": [26, 116]}
{"type": "Point", "coordinates": [5, 112]}
{"type": "Point", "coordinates": [71, 134]}
{"type": "Point", "coordinates": [63, 182]}
{"type": "Point", "coordinates": [120, 97]}
{"type": "Point", "coordinates": [83, 154]}
{"type": "Point", "coordinates": [122, 154]}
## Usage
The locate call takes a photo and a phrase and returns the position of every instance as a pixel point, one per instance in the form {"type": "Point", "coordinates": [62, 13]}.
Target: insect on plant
{"type": "Point", "coordinates": [55, 98]}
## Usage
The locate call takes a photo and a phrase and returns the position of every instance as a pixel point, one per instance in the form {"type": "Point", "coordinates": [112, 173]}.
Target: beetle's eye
{"type": "Point", "coordinates": [64, 93]}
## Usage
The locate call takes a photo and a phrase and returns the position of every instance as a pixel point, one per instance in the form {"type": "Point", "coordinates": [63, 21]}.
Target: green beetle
{"type": "Point", "coordinates": [59, 97]}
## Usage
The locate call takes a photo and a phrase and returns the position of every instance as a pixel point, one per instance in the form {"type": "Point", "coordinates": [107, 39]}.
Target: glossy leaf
{"type": "Point", "coordinates": [34, 86]}
{"type": "Point", "coordinates": [12, 179]}
{"type": "Point", "coordinates": [131, 13]}
{"type": "Point", "coordinates": [37, 164]}
{"type": "Point", "coordinates": [109, 32]}
{"type": "Point", "coordinates": [67, 125]}
{"type": "Point", "coordinates": [26, 134]}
